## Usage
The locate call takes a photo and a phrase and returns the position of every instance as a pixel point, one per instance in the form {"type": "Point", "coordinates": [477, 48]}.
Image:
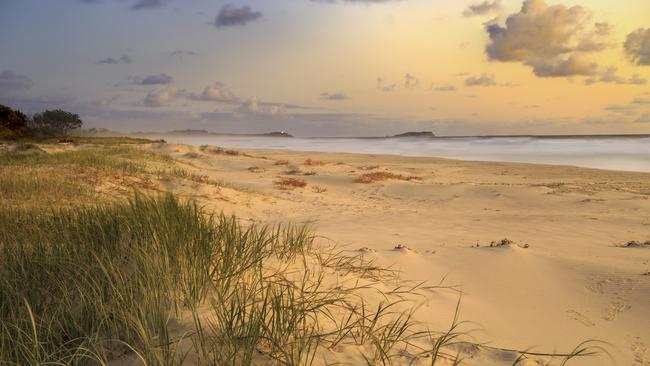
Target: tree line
{"type": "Point", "coordinates": [56, 122]}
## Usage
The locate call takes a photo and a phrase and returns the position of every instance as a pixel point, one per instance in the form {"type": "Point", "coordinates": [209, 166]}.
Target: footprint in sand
{"type": "Point", "coordinates": [403, 249]}
{"type": "Point", "coordinates": [366, 250]}
{"type": "Point", "coordinates": [618, 287]}
{"type": "Point", "coordinates": [572, 314]}
{"type": "Point", "coordinates": [641, 353]}
{"type": "Point", "coordinates": [614, 308]}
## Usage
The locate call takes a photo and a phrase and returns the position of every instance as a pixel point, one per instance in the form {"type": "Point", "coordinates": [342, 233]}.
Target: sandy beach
{"type": "Point", "coordinates": [325, 183]}
{"type": "Point", "coordinates": [563, 278]}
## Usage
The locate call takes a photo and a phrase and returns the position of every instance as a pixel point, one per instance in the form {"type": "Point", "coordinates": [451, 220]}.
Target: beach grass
{"type": "Point", "coordinates": [104, 282]}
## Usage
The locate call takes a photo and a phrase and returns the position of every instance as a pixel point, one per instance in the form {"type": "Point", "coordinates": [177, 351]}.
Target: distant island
{"type": "Point", "coordinates": [277, 134]}
{"type": "Point", "coordinates": [421, 134]}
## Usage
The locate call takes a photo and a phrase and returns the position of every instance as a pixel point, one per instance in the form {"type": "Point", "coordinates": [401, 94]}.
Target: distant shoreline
{"type": "Point", "coordinates": [573, 136]}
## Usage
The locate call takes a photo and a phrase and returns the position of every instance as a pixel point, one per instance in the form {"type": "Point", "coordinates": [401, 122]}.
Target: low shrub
{"type": "Point", "coordinates": [288, 183]}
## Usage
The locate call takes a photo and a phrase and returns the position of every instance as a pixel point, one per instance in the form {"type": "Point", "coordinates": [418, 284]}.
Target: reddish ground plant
{"type": "Point", "coordinates": [381, 176]}
{"type": "Point", "coordinates": [288, 183]}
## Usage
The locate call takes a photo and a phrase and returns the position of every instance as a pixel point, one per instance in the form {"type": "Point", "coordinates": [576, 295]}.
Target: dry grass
{"type": "Point", "coordinates": [312, 162]}
{"type": "Point", "coordinates": [191, 155]}
{"type": "Point", "coordinates": [636, 244]}
{"type": "Point", "coordinates": [381, 176]}
{"type": "Point", "coordinates": [31, 177]}
{"type": "Point", "coordinates": [289, 183]}
{"type": "Point", "coordinates": [318, 189]}
{"type": "Point", "coordinates": [281, 162]}
{"type": "Point", "coordinates": [218, 150]}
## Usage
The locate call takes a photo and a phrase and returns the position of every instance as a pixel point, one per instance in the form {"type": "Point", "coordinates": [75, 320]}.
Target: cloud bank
{"type": "Point", "coordinates": [216, 92]}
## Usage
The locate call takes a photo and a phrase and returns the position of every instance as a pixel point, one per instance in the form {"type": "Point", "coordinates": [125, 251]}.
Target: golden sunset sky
{"type": "Point", "coordinates": [333, 68]}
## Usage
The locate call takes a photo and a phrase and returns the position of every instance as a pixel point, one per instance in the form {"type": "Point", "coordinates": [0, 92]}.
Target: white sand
{"type": "Point", "coordinates": [573, 283]}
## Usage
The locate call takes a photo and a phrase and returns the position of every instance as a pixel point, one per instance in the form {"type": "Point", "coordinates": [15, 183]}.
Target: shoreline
{"type": "Point", "coordinates": [607, 159]}
{"type": "Point", "coordinates": [550, 136]}
{"type": "Point", "coordinates": [281, 151]}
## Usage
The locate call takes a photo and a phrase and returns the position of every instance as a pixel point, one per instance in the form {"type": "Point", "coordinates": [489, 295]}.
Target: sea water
{"type": "Point", "coordinates": [628, 153]}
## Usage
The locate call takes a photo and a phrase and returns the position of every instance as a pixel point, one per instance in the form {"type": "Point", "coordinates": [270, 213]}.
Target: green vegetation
{"type": "Point", "coordinates": [12, 122]}
{"type": "Point", "coordinates": [103, 282]}
{"type": "Point", "coordinates": [33, 178]}
{"type": "Point", "coordinates": [112, 140]}
{"type": "Point", "coordinates": [87, 282]}
{"type": "Point", "coordinates": [56, 122]}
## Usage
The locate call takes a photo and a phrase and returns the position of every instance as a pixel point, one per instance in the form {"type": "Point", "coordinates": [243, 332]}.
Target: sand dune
{"type": "Point", "coordinates": [563, 279]}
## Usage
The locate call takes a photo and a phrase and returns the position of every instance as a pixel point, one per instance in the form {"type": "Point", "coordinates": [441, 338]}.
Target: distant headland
{"type": "Point", "coordinates": [421, 134]}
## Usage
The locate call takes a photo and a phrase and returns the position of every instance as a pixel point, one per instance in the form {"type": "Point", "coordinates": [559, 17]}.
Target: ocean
{"type": "Point", "coordinates": [625, 153]}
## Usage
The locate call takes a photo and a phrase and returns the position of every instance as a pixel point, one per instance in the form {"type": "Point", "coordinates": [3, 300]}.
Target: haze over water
{"type": "Point", "coordinates": [612, 153]}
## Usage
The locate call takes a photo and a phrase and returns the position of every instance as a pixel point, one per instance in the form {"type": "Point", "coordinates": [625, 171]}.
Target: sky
{"type": "Point", "coordinates": [332, 67]}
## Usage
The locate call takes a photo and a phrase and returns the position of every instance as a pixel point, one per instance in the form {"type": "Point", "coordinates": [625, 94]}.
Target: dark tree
{"type": "Point", "coordinates": [57, 122]}
{"type": "Point", "coordinates": [13, 120]}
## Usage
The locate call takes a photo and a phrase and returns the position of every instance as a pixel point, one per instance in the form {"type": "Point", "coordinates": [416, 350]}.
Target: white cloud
{"type": "Point", "coordinates": [573, 65]}
{"type": "Point", "coordinates": [637, 46]}
{"type": "Point", "coordinates": [162, 97]}
{"type": "Point", "coordinates": [554, 40]}
{"type": "Point", "coordinates": [253, 107]}
{"type": "Point", "coordinates": [484, 8]}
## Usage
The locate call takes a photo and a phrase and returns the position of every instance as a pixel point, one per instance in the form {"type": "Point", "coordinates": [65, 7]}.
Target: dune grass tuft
{"type": "Point", "coordinates": [636, 244]}
{"type": "Point", "coordinates": [382, 176]}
